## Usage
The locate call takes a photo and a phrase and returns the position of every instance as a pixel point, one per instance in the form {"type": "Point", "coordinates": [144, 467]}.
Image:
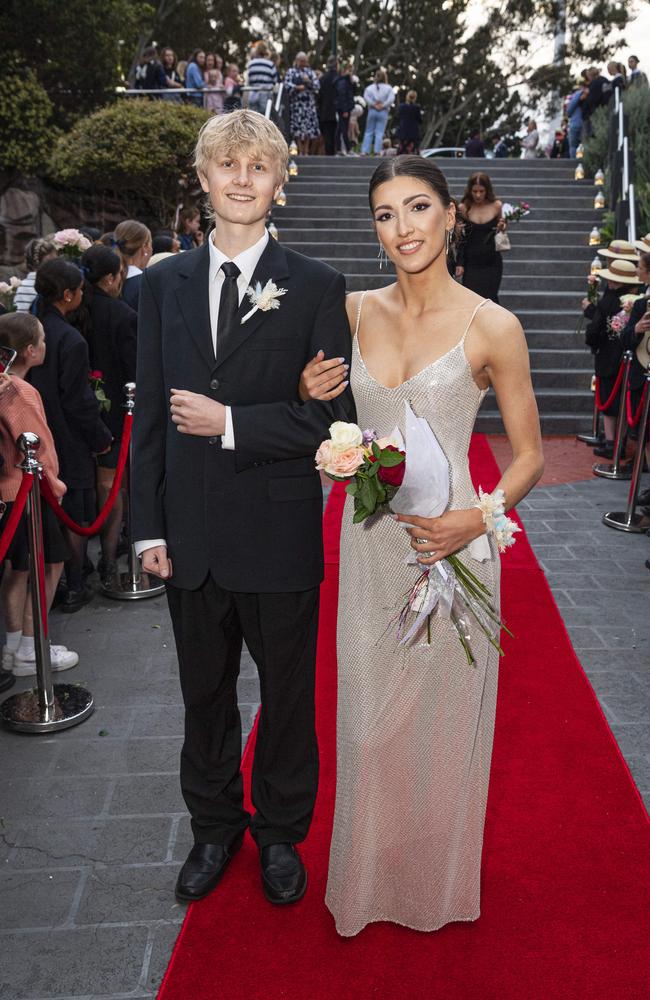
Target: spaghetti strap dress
{"type": "Point", "coordinates": [415, 723]}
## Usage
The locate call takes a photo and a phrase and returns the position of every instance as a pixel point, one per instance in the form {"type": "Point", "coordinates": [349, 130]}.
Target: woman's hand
{"type": "Point", "coordinates": [502, 225]}
{"type": "Point", "coordinates": [323, 379]}
{"type": "Point", "coordinates": [585, 304]}
{"type": "Point", "coordinates": [443, 535]}
{"type": "Point", "coordinates": [644, 323]}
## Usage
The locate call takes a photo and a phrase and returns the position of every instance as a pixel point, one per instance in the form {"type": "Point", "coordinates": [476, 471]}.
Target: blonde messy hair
{"type": "Point", "coordinates": [240, 131]}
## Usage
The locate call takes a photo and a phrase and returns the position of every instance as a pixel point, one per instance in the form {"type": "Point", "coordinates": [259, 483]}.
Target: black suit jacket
{"type": "Point", "coordinates": [112, 342]}
{"type": "Point", "coordinates": [251, 517]}
{"type": "Point", "coordinates": [71, 408]}
{"type": "Point", "coordinates": [131, 291]}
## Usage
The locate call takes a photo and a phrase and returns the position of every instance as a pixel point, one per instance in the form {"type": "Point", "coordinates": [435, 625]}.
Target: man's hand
{"type": "Point", "coordinates": [459, 272]}
{"type": "Point", "coordinates": [644, 323]}
{"type": "Point", "coordinates": [196, 414]}
{"type": "Point", "coordinates": [155, 561]}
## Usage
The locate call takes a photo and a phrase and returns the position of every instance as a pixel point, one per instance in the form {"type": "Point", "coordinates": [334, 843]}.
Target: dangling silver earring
{"type": "Point", "coordinates": [382, 256]}
{"type": "Point", "coordinates": [447, 241]}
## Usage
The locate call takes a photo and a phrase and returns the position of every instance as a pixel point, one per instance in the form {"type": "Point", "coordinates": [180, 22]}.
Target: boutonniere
{"type": "Point", "coordinates": [264, 298]}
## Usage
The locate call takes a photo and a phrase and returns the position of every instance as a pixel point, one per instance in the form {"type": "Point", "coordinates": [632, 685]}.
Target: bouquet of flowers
{"type": "Point", "coordinates": [96, 379]}
{"type": "Point", "coordinates": [8, 290]}
{"type": "Point", "coordinates": [617, 323]}
{"type": "Point", "coordinates": [373, 466]}
{"type": "Point", "coordinates": [421, 487]}
{"type": "Point", "coordinates": [71, 243]}
{"type": "Point", "coordinates": [514, 213]}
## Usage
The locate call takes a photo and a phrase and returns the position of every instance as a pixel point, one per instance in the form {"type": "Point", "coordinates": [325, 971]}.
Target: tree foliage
{"type": "Point", "coordinates": [25, 123]}
{"type": "Point", "coordinates": [75, 48]}
{"type": "Point", "coordinates": [136, 147]}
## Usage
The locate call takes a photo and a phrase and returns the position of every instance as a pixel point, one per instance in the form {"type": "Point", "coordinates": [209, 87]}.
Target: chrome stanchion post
{"type": "Point", "coordinates": [595, 437]}
{"type": "Point", "coordinates": [614, 471]}
{"type": "Point", "coordinates": [629, 520]}
{"type": "Point", "coordinates": [48, 706]}
{"type": "Point", "coordinates": [133, 585]}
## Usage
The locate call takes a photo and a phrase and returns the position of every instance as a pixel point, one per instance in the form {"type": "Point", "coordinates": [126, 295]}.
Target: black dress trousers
{"type": "Point", "coordinates": [280, 631]}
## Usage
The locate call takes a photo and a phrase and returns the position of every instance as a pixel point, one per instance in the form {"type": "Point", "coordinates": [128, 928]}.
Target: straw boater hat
{"type": "Point", "coordinates": [620, 270]}
{"type": "Point", "coordinates": [159, 256]}
{"type": "Point", "coordinates": [643, 350]}
{"type": "Point", "coordinates": [643, 244]}
{"type": "Point", "coordinates": [621, 249]}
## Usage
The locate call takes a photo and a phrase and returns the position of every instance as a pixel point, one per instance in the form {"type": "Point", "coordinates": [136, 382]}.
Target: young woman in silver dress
{"type": "Point", "coordinates": [415, 723]}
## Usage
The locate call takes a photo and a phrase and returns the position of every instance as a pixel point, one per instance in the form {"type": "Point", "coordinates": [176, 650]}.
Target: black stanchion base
{"type": "Point", "coordinates": [591, 439]}
{"type": "Point", "coordinates": [608, 471]}
{"type": "Point", "coordinates": [21, 712]}
{"type": "Point", "coordinates": [620, 520]}
{"type": "Point", "coordinates": [7, 680]}
{"type": "Point", "coordinates": [133, 587]}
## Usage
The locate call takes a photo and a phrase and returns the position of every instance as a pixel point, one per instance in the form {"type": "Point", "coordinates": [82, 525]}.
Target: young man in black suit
{"type": "Point", "coordinates": [226, 501]}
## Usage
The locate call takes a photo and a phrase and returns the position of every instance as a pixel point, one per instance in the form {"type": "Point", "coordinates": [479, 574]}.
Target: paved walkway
{"type": "Point", "coordinates": [93, 827]}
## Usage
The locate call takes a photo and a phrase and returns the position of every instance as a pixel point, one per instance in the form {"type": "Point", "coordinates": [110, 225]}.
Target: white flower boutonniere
{"type": "Point", "coordinates": [264, 298]}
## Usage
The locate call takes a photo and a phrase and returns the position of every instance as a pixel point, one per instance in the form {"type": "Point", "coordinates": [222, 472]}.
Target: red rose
{"type": "Point", "coordinates": [392, 475]}
{"type": "Point", "coordinates": [96, 375]}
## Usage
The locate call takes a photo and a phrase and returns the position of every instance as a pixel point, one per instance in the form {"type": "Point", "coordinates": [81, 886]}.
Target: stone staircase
{"type": "Point", "coordinates": [327, 216]}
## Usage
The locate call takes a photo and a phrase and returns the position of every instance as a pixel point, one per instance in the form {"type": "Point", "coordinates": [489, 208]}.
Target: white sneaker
{"type": "Point", "coordinates": [7, 658]}
{"type": "Point", "coordinates": [61, 658]}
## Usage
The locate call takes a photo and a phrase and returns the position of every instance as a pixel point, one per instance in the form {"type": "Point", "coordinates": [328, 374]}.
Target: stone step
{"type": "Point", "coordinates": [570, 284]}
{"type": "Point", "coordinates": [512, 190]}
{"type": "Point", "coordinates": [358, 227]}
{"type": "Point", "coordinates": [308, 208]}
{"type": "Point", "coordinates": [564, 424]}
{"type": "Point", "coordinates": [553, 400]}
{"type": "Point", "coordinates": [552, 359]}
{"type": "Point", "coordinates": [552, 339]}
{"type": "Point", "coordinates": [541, 248]}
{"type": "Point", "coordinates": [464, 165]}
{"type": "Point", "coordinates": [346, 198]}
{"type": "Point", "coordinates": [562, 378]}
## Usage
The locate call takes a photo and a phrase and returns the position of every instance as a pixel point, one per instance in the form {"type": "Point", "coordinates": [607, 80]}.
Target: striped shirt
{"type": "Point", "coordinates": [26, 293]}
{"type": "Point", "coordinates": [262, 73]}
{"type": "Point", "coordinates": [21, 410]}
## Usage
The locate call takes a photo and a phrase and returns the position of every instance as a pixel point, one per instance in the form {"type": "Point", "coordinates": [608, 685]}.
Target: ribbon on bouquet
{"type": "Point", "coordinates": [434, 589]}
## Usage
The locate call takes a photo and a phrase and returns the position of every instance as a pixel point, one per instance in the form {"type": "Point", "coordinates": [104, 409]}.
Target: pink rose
{"type": "Point", "coordinates": [338, 463]}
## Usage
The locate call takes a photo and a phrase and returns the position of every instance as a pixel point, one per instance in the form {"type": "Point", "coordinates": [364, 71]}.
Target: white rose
{"type": "Point", "coordinates": [344, 436]}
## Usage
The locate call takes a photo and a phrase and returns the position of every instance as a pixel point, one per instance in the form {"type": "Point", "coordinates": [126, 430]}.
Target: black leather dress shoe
{"type": "Point", "coordinates": [644, 498]}
{"type": "Point", "coordinates": [605, 450]}
{"type": "Point", "coordinates": [283, 874]}
{"type": "Point", "coordinates": [204, 869]}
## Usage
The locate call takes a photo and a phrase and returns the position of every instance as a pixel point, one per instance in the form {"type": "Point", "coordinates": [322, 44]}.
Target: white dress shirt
{"type": "Point", "coordinates": [246, 261]}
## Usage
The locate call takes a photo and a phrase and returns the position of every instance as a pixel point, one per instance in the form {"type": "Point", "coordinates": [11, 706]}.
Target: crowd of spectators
{"type": "Point", "coordinates": [73, 326]}
{"type": "Point", "coordinates": [324, 106]}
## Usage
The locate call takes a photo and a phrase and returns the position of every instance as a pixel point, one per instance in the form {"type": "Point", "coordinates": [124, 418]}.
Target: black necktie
{"type": "Point", "coordinates": [228, 306]}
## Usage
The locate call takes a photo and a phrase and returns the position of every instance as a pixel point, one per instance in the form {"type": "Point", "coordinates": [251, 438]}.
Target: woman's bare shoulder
{"type": "Point", "coordinates": [498, 325]}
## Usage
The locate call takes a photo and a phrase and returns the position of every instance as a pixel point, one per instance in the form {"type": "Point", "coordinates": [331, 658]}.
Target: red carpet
{"type": "Point", "coordinates": [565, 862]}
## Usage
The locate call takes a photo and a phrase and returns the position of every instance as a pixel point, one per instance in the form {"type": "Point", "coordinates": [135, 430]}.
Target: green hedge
{"type": "Point", "coordinates": [25, 123]}
{"type": "Point", "coordinates": [135, 147]}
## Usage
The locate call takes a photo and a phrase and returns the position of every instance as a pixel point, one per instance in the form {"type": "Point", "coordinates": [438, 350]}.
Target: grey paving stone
{"type": "Point", "coordinates": [37, 898]}
{"type": "Point", "coordinates": [159, 720]}
{"type": "Point", "coordinates": [57, 963]}
{"type": "Point", "coordinates": [112, 756]}
{"type": "Point", "coordinates": [164, 939]}
{"type": "Point", "coordinates": [584, 638]}
{"type": "Point", "coordinates": [633, 738]}
{"type": "Point", "coordinates": [52, 844]}
{"type": "Point", "coordinates": [622, 700]}
{"type": "Point", "coordinates": [52, 797]}
{"type": "Point", "coordinates": [640, 768]}
{"type": "Point", "coordinates": [145, 893]}
{"type": "Point", "coordinates": [146, 794]}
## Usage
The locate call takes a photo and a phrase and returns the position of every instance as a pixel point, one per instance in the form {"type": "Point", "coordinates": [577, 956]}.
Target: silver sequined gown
{"type": "Point", "coordinates": [415, 724]}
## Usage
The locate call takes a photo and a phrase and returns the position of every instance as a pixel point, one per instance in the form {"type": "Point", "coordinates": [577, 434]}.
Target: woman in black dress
{"type": "Point", "coordinates": [479, 264]}
{"type": "Point", "coordinates": [110, 329]}
{"type": "Point", "coordinates": [410, 119]}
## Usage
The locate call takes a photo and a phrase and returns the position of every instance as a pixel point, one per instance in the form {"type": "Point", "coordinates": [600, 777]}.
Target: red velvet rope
{"type": "Point", "coordinates": [606, 405]}
{"type": "Point", "coordinates": [99, 521]}
{"type": "Point", "coordinates": [16, 514]}
{"type": "Point", "coordinates": [633, 418]}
